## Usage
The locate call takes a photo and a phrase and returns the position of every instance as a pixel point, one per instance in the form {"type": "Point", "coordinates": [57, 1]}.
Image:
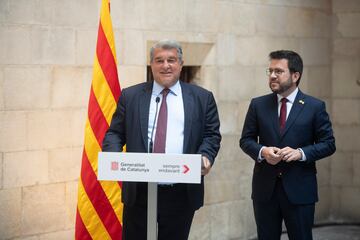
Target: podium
{"type": "Point", "coordinates": [151, 168]}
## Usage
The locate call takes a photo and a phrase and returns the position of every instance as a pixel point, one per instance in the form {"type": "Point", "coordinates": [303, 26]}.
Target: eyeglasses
{"type": "Point", "coordinates": [277, 71]}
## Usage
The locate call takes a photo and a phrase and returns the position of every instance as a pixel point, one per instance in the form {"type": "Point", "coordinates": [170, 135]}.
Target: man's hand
{"type": "Point", "coordinates": [271, 155]}
{"type": "Point", "coordinates": [205, 166]}
{"type": "Point", "coordinates": [289, 154]}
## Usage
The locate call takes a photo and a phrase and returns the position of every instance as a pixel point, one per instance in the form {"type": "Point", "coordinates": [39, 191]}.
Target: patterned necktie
{"type": "Point", "coordinates": [161, 126]}
{"type": "Point", "coordinates": [282, 118]}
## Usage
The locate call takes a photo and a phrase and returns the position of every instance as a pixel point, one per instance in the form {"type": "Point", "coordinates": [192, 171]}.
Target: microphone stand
{"type": "Point", "coordinates": [152, 191]}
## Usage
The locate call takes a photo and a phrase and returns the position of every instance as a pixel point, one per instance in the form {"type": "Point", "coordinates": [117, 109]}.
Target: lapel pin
{"type": "Point", "coordinates": [301, 101]}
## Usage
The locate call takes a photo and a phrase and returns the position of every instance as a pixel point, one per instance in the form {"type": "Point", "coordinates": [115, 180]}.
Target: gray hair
{"type": "Point", "coordinates": [167, 44]}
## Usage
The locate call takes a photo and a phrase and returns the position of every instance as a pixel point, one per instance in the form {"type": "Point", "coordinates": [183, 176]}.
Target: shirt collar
{"type": "Point", "coordinates": [174, 89]}
{"type": "Point", "coordinates": [291, 97]}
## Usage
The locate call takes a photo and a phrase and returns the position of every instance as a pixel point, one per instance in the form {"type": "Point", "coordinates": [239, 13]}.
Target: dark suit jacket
{"type": "Point", "coordinates": [308, 127]}
{"type": "Point", "coordinates": [129, 126]}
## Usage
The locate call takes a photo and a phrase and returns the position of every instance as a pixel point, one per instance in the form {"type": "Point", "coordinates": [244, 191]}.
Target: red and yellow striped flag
{"type": "Point", "coordinates": [99, 209]}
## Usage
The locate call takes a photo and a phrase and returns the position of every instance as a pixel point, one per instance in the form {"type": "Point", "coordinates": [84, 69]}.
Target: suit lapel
{"type": "Point", "coordinates": [144, 105]}
{"type": "Point", "coordinates": [188, 101]}
{"type": "Point", "coordinates": [296, 109]}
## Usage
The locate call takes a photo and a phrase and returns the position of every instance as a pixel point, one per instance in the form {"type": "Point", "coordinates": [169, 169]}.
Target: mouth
{"type": "Point", "coordinates": [166, 73]}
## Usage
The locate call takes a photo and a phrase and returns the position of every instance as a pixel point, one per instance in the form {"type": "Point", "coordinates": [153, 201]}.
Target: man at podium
{"type": "Point", "coordinates": [164, 116]}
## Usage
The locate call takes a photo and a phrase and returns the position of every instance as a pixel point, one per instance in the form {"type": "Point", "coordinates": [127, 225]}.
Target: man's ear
{"type": "Point", "coordinates": [295, 76]}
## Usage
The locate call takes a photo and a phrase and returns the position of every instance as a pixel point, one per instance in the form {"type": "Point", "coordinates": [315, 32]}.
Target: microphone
{"type": "Point", "coordinates": [157, 100]}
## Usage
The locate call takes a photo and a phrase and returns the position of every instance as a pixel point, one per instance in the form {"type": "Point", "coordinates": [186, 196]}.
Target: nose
{"type": "Point", "coordinates": [272, 74]}
{"type": "Point", "coordinates": [166, 64]}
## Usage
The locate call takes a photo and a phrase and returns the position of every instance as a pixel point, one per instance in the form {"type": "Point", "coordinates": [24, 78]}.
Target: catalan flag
{"type": "Point", "coordinates": [99, 208]}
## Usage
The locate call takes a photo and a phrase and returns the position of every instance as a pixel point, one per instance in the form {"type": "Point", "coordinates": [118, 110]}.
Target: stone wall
{"type": "Point", "coordinates": [345, 165]}
{"type": "Point", "coordinates": [46, 55]}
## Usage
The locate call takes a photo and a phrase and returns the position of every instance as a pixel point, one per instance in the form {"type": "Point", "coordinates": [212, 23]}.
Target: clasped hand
{"type": "Point", "coordinates": [274, 155]}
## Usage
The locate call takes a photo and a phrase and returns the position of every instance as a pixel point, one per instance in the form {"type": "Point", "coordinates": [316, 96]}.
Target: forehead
{"type": "Point", "coordinates": [165, 53]}
{"type": "Point", "coordinates": [279, 63]}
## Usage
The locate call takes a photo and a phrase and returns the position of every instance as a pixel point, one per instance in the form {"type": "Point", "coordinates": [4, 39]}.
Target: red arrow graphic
{"type": "Point", "coordinates": [186, 169]}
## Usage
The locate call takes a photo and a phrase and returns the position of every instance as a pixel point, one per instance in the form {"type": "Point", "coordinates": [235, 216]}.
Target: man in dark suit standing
{"type": "Point", "coordinates": [286, 132]}
{"type": "Point", "coordinates": [187, 122]}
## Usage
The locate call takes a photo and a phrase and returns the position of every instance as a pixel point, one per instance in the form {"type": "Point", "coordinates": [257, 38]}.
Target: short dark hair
{"type": "Point", "coordinates": [295, 62]}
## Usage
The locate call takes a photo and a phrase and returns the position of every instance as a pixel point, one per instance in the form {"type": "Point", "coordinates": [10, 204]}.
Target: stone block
{"type": "Point", "coordinates": [321, 24]}
{"type": "Point", "coordinates": [341, 169]}
{"type": "Point", "coordinates": [229, 150]}
{"type": "Point", "coordinates": [236, 83]}
{"type": "Point", "coordinates": [167, 20]}
{"type": "Point", "coordinates": [261, 81]}
{"type": "Point", "coordinates": [128, 14]}
{"type": "Point", "coordinates": [15, 45]}
{"type": "Point", "coordinates": [236, 18]}
{"type": "Point", "coordinates": [225, 45]}
{"type": "Point", "coordinates": [71, 87]}
{"type": "Point", "coordinates": [219, 221]}
{"type": "Point", "coordinates": [319, 81]}
{"type": "Point", "coordinates": [43, 40]}
{"type": "Point", "coordinates": [27, 88]}
{"type": "Point", "coordinates": [345, 78]}
{"type": "Point", "coordinates": [77, 119]}
{"type": "Point", "coordinates": [252, 51]}
{"type": "Point", "coordinates": [131, 48]}
{"type": "Point", "coordinates": [322, 208]}
{"type": "Point", "coordinates": [347, 138]}
{"type": "Point", "coordinates": [346, 24]}
{"type": "Point", "coordinates": [86, 46]}
{"type": "Point", "coordinates": [242, 220]}
{"type": "Point", "coordinates": [60, 235]}
{"type": "Point", "coordinates": [209, 79]}
{"type": "Point", "coordinates": [200, 228]}
{"type": "Point", "coordinates": [131, 75]}
{"type": "Point", "coordinates": [1, 170]}
{"type": "Point", "coordinates": [13, 131]}
{"type": "Point", "coordinates": [2, 105]}
{"type": "Point", "coordinates": [10, 213]}
{"type": "Point", "coordinates": [200, 16]}
{"type": "Point", "coordinates": [64, 164]}
{"type": "Point", "coordinates": [345, 6]}
{"type": "Point", "coordinates": [81, 13]}
{"type": "Point", "coordinates": [44, 209]}
{"type": "Point", "coordinates": [343, 114]}
{"type": "Point", "coordinates": [350, 203]}
{"type": "Point", "coordinates": [4, 9]}
{"type": "Point", "coordinates": [25, 168]}
{"type": "Point", "coordinates": [229, 181]}
{"type": "Point", "coordinates": [243, 108]}
{"type": "Point", "coordinates": [228, 113]}
{"type": "Point", "coordinates": [346, 48]}
{"type": "Point", "coordinates": [323, 168]}
{"type": "Point", "coordinates": [69, 130]}
{"type": "Point", "coordinates": [305, 22]}
{"type": "Point", "coordinates": [160, 15]}
{"type": "Point", "coordinates": [71, 198]}
{"type": "Point", "coordinates": [356, 169]}
{"type": "Point", "coordinates": [196, 54]}
{"type": "Point", "coordinates": [276, 27]}
{"type": "Point", "coordinates": [315, 51]}
{"type": "Point", "coordinates": [335, 203]}
{"type": "Point", "coordinates": [21, 11]}
{"type": "Point", "coordinates": [29, 12]}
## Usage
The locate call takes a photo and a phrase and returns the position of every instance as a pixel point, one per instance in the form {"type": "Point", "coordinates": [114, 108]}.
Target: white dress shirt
{"type": "Point", "coordinates": [175, 122]}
